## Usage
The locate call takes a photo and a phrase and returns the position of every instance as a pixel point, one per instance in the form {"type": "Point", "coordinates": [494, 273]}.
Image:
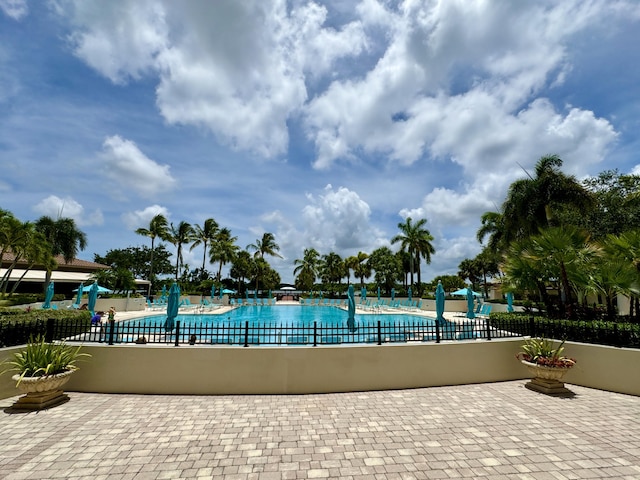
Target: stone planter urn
{"type": "Point", "coordinates": [546, 379]}
{"type": "Point", "coordinates": [41, 392]}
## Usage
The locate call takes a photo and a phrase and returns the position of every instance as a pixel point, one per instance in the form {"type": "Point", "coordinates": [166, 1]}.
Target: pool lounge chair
{"type": "Point", "coordinates": [484, 311]}
{"type": "Point", "coordinates": [187, 305]}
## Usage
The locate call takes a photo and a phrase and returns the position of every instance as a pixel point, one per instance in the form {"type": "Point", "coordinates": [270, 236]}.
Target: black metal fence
{"type": "Point", "coordinates": [313, 334]}
{"type": "Point", "coordinates": [596, 332]}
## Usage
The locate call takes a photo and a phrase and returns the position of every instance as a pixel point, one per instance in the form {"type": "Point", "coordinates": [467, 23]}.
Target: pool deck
{"type": "Point", "coordinates": [493, 431]}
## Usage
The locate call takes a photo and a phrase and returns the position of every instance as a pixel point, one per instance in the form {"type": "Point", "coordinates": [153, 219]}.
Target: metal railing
{"type": "Point", "coordinates": [248, 333]}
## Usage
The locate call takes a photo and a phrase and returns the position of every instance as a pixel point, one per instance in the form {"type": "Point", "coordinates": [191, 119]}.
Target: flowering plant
{"type": "Point", "coordinates": [543, 352]}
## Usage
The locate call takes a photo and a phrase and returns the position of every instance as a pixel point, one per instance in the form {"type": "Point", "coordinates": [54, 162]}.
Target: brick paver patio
{"type": "Point", "coordinates": [496, 431]}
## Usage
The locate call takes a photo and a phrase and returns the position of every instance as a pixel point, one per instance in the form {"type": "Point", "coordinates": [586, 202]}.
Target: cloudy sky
{"type": "Point", "coordinates": [326, 123]}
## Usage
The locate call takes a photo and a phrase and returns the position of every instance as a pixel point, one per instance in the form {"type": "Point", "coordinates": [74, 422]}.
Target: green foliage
{"type": "Point", "coordinates": [16, 324]}
{"type": "Point", "coordinates": [542, 351]}
{"type": "Point", "coordinates": [620, 334]}
{"type": "Point", "coordinates": [41, 358]}
{"type": "Point", "coordinates": [387, 266]}
{"type": "Point", "coordinates": [138, 260]}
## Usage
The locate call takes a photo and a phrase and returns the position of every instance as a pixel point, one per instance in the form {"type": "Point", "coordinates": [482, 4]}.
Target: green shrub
{"type": "Point", "coordinates": [620, 334]}
{"type": "Point", "coordinates": [17, 325]}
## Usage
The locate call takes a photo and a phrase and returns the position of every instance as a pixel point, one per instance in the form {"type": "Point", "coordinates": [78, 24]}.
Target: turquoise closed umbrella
{"type": "Point", "coordinates": [409, 293]}
{"type": "Point", "coordinates": [79, 295]}
{"type": "Point", "coordinates": [470, 301]}
{"type": "Point", "coordinates": [440, 303]}
{"type": "Point", "coordinates": [213, 291]}
{"type": "Point", "coordinates": [351, 319]}
{"type": "Point", "coordinates": [173, 303]}
{"type": "Point", "coordinates": [48, 296]}
{"type": "Point", "coordinates": [393, 294]}
{"type": "Point", "coordinates": [509, 302]}
{"type": "Point", "coordinates": [378, 293]}
{"type": "Point", "coordinates": [221, 292]}
{"type": "Point", "coordinates": [93, 296]}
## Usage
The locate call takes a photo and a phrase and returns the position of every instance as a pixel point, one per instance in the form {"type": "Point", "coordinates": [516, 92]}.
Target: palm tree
{"type": "Point", "coordinates": [26, 244]}
{"type": "Point", "coordinates": [332, 269]}
{"type": "Point", "coordinates": [387, 267]}
{"type": "Point", "coordinates": [158, 228]}
{"type": "Point", "coordinates": [306, 268]}
{"type": "Point", "coordinates": [492, 226]}
{"type": "Point", "coordinates": [223, 249]}
{"type": "Point", "coordinates": [178, 236]}
{"type": "Point", "coordinates": [416, 241]}
{"type": "Point", "coordinates": [525, 273]}
{"type": "Point", "coordinates": [626, 247]}
{"type": "Point", "coordinates": [362, 269]}
{"type": "Point", "coordinates": [64, 237]}
{"type": "Point", "coordinates": [563, 253]}
{"type": "Point", "coordinates": [531, 202]}
{"type": "Point", "coordinates": [241, 268]}
{"type": "Point", "coordinates": [350, 263]}
{"type": "Point", "coordinates": [610, 276]}
{"type": "Point", "coordinates": [204, 236]}
{"type": "Point", "coordinates": [265, 246]}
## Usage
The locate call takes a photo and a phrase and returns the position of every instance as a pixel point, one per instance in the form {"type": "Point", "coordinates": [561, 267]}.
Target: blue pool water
{"type": "Point", "coordinates": [277, 325]}
{"type": "Point", "coordinates": [286, 316]}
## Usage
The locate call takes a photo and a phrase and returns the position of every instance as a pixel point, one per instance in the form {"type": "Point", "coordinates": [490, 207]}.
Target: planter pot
{"type": "Point", "coordinates": [546, 379]}
{"type": "Point", "coordinates": [41, 392]}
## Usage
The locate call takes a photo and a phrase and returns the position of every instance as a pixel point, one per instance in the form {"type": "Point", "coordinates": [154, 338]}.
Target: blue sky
{"type": "Point", "coordinates": [325, 123]}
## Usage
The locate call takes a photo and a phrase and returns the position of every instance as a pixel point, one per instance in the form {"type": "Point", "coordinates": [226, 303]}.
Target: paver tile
{"type": "Point", "coordinates": [489, 431]}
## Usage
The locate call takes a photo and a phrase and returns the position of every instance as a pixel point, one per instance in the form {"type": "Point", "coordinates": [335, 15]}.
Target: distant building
{"type": "Point", "coordinates": [67, 276]}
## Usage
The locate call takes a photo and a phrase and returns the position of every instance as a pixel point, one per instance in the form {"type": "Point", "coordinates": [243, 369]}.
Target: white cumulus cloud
{"type": "Point", "coordinates": [130, 169]}
{"type": "Point", "coordinates": [339, 220]}
{"type": "Point", "coordinates": [56, 207]}
{"type": "Point", "coordinates": [142, 218]}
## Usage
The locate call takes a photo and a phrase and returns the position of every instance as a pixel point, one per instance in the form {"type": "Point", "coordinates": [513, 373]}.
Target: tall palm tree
{"type": "Point", "coordinates": [492, 226]}
{"type": "Point", "coordinates": [531, 202]}
{"type": "Point", "coordinates": [26, 244]}
{"type": "Point", "coordinates": [362, 269]}
{"type": "Point", "coordinates": [223, 249]}
{"type": "Point", "coordinates": [265, 246]}
{"type": "Point", "coordinates": [350, 263]}
{"type": "Point", "coordinates": [332, 268]}
{"type": "Point", "coordinates": [36, 252]}
{"type": "Point", "coordinates": [158, 228]}
{"type": "Point", "coordinates": [416, 241]}
{"type": "Point", "coordinates": [306, 269]}
{"type": "Point", "coordinates": [178, 236]}
{"type": "Point", "coordinates": [241, 268]}
{"type": "Point", "coordinates": [64, 237]}
{"type": "Point", "coordinates": [204, 236]}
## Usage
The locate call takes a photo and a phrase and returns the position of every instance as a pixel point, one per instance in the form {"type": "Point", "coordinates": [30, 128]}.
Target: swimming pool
{"type": "Point", "coordinates": [277, 325]}
{"type": "Point", "coordinates": [286, 315]}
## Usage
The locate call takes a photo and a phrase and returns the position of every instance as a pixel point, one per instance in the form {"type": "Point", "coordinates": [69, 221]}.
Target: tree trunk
{"type": "Point", "coordinates": [544, 296]}
{"type": "Point", "coordinates": [567, 292]}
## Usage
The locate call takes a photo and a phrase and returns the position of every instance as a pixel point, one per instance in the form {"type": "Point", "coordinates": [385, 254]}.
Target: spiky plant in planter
{"type": "Point", "coordinates": [42, 368]}
{"type": "Point", "coordinates": [541, 351]}
{"type": "Point", "coordinates": [547, 365]}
